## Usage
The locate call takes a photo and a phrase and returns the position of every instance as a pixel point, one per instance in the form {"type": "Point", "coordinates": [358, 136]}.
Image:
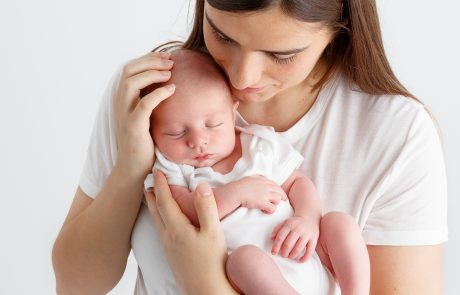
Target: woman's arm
{"type": "Point", "coordinates": [406, 270]}
{"type": "Point", "coordinates": [197, 256]}
{"type": "Point", "coordinates": [90, 252]}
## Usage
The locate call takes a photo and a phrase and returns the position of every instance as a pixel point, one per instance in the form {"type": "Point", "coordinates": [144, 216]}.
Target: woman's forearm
{"type": "Point", "coordinates": [90, 253]}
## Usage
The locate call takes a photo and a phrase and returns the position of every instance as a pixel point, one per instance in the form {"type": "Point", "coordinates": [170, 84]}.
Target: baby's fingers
{"type": "Point", "coordinates": [298, 248]}
{"type": "Point", "coordinates": [278, 192]}
{"type": "Point", "coordinates": [275, 230]}
{"type": "Point", "coordinates": [283, 232]}
{"type": "Point", "coordinates": [268, 208]}
{"type": "Point", "coordinates": [289, 243]}
{"type": "Point", "coordinates": [308, 251]}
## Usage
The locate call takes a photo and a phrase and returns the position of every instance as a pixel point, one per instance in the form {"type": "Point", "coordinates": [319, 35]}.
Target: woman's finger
{"type": "Point", "coordinates": [132, 86]}
{"type": "Point", "coordinates": [147, 104]}
{"type": "Point", "coordinates": [206, 208]}
{"type": "Point", "coordinates": [152, 205]}
{"type": "Point", "coordinates": [170, 213]}
{"type": "Point", "coordinates": [150, 61]}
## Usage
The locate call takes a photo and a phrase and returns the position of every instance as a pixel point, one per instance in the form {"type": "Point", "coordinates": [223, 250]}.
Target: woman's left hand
{"type": "Point", "coordinates": [196, 256]}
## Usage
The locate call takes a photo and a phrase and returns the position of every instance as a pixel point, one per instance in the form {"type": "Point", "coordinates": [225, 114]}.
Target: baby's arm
{"type": "Point", "coordinates": [184, 198]}
{"type": "Point", "coordinates": [251, 192]}
{"type": "Point", "coordinates": [301, 231]}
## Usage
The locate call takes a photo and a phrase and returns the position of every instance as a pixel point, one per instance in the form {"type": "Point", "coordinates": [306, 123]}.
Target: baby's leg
{"type": "Point", "coordinates": [342, 249]}
{"type": "Point", "coordinates": [252, 271]}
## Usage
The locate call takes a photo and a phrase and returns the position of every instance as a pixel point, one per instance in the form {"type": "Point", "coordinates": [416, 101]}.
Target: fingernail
{"type": "Point", "coordinates": [165, 54]}
{"type": "Point", "coordinates": [204, 190]}
{"type": "Point", "coordinates": [170, 87]}
{"type": "Point", "coordinates": [166, 73]}
{"type": "Point", "coordinates": [168, 62]}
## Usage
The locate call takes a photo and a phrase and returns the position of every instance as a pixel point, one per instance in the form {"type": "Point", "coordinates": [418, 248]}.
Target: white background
{"type": "Point", "coordinates": [56, 58]}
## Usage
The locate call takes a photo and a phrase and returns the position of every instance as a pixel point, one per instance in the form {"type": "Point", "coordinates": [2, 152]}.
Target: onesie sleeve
{"type": "Point", "coordinates": [102, 150]}
{"type": "Point", "coordinates": [273, 152]}
{"type": "Point", "coordinates": [174, 172]}
{"type": "Point", "coordinates": [412, 210]}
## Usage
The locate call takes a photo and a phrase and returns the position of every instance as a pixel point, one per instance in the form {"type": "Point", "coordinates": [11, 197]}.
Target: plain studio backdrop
{"type": "Point", "coordinates": [56, 58]}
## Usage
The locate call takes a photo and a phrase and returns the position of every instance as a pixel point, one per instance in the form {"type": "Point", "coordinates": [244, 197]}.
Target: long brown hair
{"type": "Point", "coordinates": [357, 48]}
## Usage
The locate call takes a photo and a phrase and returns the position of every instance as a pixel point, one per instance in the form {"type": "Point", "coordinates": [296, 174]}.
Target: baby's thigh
{"type": "Point", "coordinates": [249, 262]}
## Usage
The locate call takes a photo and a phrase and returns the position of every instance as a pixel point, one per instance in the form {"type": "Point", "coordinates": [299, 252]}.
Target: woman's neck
{"type": "Point", "coordinates": [283, 110]}
{"type": "Point", "coordinates": [286, 108]}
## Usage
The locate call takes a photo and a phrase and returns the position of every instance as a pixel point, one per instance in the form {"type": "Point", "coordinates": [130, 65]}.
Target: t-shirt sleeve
{"type": "Point", "coordinates": [102, 150]}
{"type": "Point", "coordinates": [412, 210]}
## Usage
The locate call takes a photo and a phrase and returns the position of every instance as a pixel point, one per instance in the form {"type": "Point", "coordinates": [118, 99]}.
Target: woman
{"type": "Point", "coordinates": [315, 71]}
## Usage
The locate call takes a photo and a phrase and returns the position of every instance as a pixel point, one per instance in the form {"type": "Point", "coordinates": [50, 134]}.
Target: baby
{"type": "Point", "coordinates": [267, 206]}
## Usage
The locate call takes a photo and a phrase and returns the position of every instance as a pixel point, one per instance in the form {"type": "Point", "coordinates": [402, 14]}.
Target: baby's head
{"type": "Point", "coordinates": [196, 125]}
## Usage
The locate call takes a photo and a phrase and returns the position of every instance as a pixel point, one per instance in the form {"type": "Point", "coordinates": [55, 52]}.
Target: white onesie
{"type": "Point", "coordinates": [264, 152]}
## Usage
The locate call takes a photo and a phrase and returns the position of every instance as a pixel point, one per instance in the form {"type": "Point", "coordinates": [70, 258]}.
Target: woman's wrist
{"type": "Point", "coordinates": [129, 174]}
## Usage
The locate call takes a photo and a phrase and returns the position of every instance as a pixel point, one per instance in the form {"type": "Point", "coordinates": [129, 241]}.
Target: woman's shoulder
{"type": "Point", "coordinates": [388, 107]}
{"type": "Point", "coordinates": [386, 118]}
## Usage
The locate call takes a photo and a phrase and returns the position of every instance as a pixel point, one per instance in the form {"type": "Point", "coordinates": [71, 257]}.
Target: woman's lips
{"type": "Point", "coordinates": [251, 90]}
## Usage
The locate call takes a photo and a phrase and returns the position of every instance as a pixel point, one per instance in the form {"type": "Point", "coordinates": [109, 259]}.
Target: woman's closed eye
{"type": "Point", "coordinates": [277, 58]}
{"type": "Point", "coordinates": [283, 58]}
{"type": "Point", "coordinates": [219, 37]}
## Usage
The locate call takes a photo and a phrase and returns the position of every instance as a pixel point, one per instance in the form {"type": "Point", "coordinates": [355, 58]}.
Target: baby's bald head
{"type": "Point", "coordinates": [191, 71]}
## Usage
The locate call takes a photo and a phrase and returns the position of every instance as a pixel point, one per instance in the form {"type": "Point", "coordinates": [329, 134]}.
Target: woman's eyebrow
{"type": "Point", "coordinates": [211, 23]}
{"type": "Point", "coordinates": [284, 52]}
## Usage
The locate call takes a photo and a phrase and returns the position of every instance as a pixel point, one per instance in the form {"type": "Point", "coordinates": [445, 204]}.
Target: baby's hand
{"type": "Point", "coordinates": [258, 192]}
{"type": "Point", "coordinates": [295, 235]}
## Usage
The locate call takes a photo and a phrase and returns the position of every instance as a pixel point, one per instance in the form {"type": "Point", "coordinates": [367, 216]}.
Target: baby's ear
{"type": "Point", "coordinates": [235, 108]}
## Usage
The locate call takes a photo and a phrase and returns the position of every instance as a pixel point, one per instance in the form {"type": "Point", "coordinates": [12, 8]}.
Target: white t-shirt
{"type": "Point", "coordinates": [377, 158]}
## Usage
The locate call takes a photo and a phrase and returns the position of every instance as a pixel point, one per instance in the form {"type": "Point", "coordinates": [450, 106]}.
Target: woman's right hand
{"type": "Point", "coordinates": [196, 256]}
{"type": "Point", "coordinates": [132, 114]}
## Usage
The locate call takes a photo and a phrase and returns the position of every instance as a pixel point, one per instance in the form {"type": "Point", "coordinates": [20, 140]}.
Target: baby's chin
{"type": "Point", "coordinates": [201, 164]}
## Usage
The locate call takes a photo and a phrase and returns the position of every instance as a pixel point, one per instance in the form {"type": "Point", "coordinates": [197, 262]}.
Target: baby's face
{"type": "Point", "coordinates": [196, 126]}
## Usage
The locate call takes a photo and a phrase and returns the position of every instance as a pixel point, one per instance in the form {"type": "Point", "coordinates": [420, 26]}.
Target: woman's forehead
{"type": "Point", "coordinates": [270, 29]}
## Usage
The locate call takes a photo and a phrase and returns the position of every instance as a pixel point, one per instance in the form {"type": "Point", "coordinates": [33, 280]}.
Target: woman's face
{"type": "Point", "coordinates": [263, 53]}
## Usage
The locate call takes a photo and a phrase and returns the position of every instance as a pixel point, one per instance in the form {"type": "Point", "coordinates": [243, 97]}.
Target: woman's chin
{"type": "Point", "coordinates": [250, 98]}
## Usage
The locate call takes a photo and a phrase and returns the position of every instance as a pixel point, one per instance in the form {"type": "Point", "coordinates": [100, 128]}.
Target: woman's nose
{"type": "Point", "coordinates": [246, 70]}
